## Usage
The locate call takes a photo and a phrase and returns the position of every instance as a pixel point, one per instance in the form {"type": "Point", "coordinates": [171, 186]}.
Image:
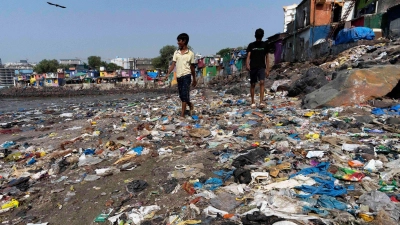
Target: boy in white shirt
{"type": "Point", "coordinates": [184, 61]}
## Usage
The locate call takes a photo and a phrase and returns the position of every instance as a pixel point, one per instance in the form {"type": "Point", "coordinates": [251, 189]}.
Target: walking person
{"type": "Point", "coordinates": [184, 61]}
{"type": "Point", "coordinates": [258, 65]}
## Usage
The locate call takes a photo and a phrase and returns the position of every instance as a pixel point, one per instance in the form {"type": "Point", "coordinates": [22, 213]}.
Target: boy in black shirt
{"type": "Point", "coordinates": [257, 64]}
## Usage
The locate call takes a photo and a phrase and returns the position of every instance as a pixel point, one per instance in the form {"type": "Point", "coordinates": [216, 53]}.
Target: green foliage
{"type": "Point", "coordinates": [157, 62]}
{"type": "Point", "coordinates": [113, 67]}
{"type": "Point", "coordinates": [66, 67]}
{"type": "Point", "coordinates": [166, 54]}
{"type": "Point", "coordinates": [223, 52]}
{"type": "Point", "coordinates": [94, 62]}
{"type": "Point", "coordinates": [47, 66]}
{"type": "Point", "coordinates": [104, 64]}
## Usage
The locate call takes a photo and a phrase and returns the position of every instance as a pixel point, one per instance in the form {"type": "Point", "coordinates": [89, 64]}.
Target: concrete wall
{"type": "Point", "coordinates": [384, 5]}
{"type": "Point", "coordinates": [394, 28]}
{"type": "Point", "coordinates": [393, 22]}
{"type": "Point", "coordinates": [325, 49]}
{"type": "Point", "coordinates": [295, 45]}
{"type": "Point", "coordinates": [302, 18]}
{"type": "Point", "coordinates": [7, 77]}
{"type": "Point", "coordinates": [298, 47]}
{"type": "Point", "coordinates": [289, 12]}
{"type": "Point", "coordinates": [321, 15]}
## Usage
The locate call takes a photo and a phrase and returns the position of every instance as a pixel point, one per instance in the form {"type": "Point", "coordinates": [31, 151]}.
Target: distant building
{"type": "Point", "coordinates": [70, 61]}
{"type": "Point", "coordinates": [22, 64]}
{"type": "Point", "coordinates": [1, 65]}
{"type": "Point", "coordinates": [290, 12]}
{"type": "Point", "coordinates": [122, 62]}
{"type": "Point", "coordinates": [7, 77]}
{"type": "Point", "coordinates": [144, 64]}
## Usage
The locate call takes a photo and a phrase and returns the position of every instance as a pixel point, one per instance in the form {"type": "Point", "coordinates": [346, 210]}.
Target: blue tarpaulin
{"type": "Point", "coordinates": [153, 75]}
{"type": "Point", "coordinates": [135, 74]}
{"type": "Point", "coordinates": [323, 178]}
{"type": "Point", "coordinates": [394, 110]}
{"type": "Point", "coordinates": [354, 34]}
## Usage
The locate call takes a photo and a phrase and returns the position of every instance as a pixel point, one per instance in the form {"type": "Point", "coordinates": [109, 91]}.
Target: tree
{"type": "Point", "coordinates": [103, 64]}
{"type": "Point", "coordinates": [94, 62]}
{"type": "Point", "coordinates": [157, 62]}
{"type": "Point", "coordinates": [241, 48]}
{"type": "Point", "coordinates": [113, 67]}
{"type": "Point", "coordinates": [47, 66]}
{"type": "Point", "coordinates": [223, 52]}
{"type": "Point", "coordinates": [66, 66]}
{"type": "Point", "coordinates": [166, 54]}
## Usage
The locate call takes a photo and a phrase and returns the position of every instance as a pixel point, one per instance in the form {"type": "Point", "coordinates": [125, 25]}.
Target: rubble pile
{"type": "Point", "coordinates": [125, 161]}
{"type": "Point", "coordinates": [355, 76]}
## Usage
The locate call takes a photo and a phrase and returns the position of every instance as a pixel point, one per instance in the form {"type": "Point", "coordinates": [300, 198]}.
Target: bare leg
{"type": "Point", "coordinates": [183, 109]}
{"type": "Point", "coordinates": [191, 106]}
{"type": "Point", "coordinates": [252, 90]}
{"type": "Point", "coordinates": [261, 91]}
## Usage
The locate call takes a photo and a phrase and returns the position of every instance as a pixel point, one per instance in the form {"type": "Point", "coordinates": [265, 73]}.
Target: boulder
{"type": "Point", "coordinates": [311, 80]}
{"type": "Point", "coordinates": [355, 87]}
{"type": "Point", "coordinates": [280, 83]}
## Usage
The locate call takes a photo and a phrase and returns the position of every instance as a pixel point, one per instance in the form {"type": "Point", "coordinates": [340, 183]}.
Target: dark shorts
{"type": "Point", "coordinates": [184, 87]}
{"type": "Point", "coordinates": [257, 75]}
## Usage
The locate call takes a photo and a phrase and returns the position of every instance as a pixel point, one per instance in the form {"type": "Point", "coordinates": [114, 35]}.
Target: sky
{"type": "Point", "coordinates": [34, 30]}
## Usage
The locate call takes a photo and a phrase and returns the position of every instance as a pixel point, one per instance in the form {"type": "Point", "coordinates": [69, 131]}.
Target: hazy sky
{"type": "Point", "coordinates": [34, 30]}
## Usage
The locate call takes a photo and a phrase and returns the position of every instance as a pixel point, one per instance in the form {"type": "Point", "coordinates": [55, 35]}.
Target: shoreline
{"type": "Point", "coordinates": [48, 92]}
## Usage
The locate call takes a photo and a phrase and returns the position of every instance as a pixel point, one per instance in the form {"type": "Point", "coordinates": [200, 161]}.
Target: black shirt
{"type": "Point", "coordinates": [258, 51]}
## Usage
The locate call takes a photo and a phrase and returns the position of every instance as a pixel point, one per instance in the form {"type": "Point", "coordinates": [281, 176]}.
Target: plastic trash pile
{"type": "Point", "coordinates": [138, 162]}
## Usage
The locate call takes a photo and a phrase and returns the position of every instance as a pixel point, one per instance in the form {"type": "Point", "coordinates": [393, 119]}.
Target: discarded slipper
{"type": "Point", "coordinates": [180, 167]}
{"type": "Point", "coordinates": [136, 186]}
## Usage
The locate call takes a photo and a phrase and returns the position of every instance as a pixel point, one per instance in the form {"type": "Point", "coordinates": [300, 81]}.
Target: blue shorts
{"type": "Point", "coordinates": [184, 87]}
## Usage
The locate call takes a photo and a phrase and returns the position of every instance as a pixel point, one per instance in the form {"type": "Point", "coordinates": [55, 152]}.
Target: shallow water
{"type": "Point", "coordinates": [23, 104]}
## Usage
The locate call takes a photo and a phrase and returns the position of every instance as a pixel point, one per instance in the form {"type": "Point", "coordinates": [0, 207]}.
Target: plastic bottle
{"type": "Point", "coordinates": [169, 127]}
{"type": "Point", "coordinates": [355, 163]}
{"type": "Point", "coordinates": [31, 161]}
{"type": "Point", "coordinates": [11, 204]}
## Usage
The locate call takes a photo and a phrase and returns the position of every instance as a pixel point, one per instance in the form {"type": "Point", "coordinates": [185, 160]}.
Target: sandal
{"type": "Point", "coordinates": [262, 105]}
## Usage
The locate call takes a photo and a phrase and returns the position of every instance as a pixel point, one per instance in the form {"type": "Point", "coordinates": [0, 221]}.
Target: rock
{"type": "Point", "coordinates": [225, 201]}
{"type": "Point", "coordinates": [371, 49]}
{"type": "Point", "coordinates": [393, 120]}
{"type": "Point", "coordinates": [279, 84]}
{"type": "Point", "coordinates": [364, 119]}
{"type": "Point", "coordinates": [234, 91]}
{"type": "Point", "coordinates": [395, 93]}
{"type": "Point", "coordinates": [394, 60]}
{"type": "Point", "coordinates": [354, 87]}
{"type": "Point", "coordinates": [334, 75]}
{"type": "Point", "coordinates": [199, 133]}
{"type": "Point", "coordinates": [382, 103]}
{"type": "Point", "coordinates": [313, 79]}
{"type": "Point", "coordinates": [345, 66]}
